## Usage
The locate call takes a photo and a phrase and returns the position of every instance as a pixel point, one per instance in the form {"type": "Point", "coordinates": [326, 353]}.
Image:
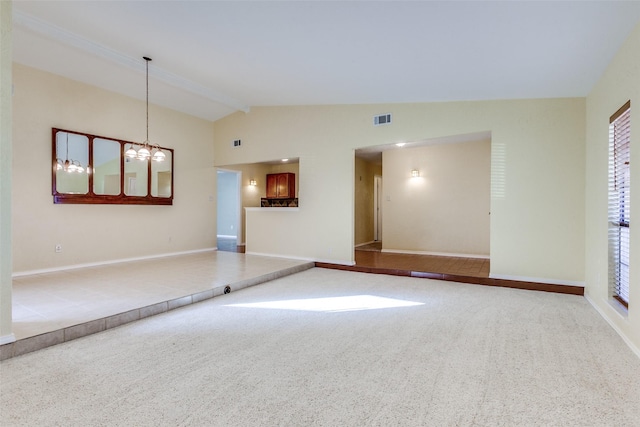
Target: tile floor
{"type": "Point", "coordinates": [54, 301]}
{"type": "Point", "coordinates": [56, 307]}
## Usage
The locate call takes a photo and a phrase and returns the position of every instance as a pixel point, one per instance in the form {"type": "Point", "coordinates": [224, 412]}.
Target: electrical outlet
{"type": "Point", "coordinates": [58, 248]}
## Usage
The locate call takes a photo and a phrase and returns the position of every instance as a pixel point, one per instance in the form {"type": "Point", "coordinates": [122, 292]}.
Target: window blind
{"type": "Point", "coordinates": [619, 206]}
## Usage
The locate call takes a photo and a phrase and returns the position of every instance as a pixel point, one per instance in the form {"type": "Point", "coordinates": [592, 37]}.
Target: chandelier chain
{"type": "Point", "coordinates": [147, 63]}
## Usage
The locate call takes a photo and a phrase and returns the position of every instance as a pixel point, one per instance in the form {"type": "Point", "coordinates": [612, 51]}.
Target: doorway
{"type": "Point", "coordinates": [367, 191]}
{"type": "Point", "coordinates": [228, 211]}
{"type": "Point", "coordinates": [437, 210]}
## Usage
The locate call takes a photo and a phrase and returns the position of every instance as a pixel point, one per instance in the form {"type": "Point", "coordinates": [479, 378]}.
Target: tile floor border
{"type": "Point", "coordinates": [48, 339]}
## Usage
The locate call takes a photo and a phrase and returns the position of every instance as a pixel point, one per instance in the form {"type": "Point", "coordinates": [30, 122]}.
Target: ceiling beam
{"type": "Point", "coordinates": [60, 35]}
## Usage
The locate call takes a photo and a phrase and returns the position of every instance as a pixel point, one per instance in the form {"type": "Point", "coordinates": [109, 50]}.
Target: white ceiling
{"type": "Point", "coordinates": [211, 58]}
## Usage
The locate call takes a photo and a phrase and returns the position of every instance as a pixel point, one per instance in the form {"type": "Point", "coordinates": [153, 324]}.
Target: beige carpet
{"type": "Point", "coordinates": [447, 355]}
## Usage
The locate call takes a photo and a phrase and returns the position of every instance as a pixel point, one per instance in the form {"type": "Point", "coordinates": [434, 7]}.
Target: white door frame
{"type": "Point", "coordinates": [377, 208]}
{"type": "Point", "coordinates": [239, 201]}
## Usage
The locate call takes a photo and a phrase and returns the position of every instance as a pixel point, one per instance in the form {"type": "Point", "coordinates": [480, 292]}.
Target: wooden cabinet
{"type": "Point", "coordinates": [281, 185]}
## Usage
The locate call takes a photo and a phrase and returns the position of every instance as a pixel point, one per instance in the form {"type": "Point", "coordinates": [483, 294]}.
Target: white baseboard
{"type": "Point", "coordinates": [114, 261]}
{"type": "Point", "coordinates": [615, 327]}
{"type": "Point", "coordinates": [335, 261]}
{"type": "Point", "coordinates": [537, 280]}
{"type": "Point", "coordinates": [449, 254]}
{"type": "Point", "coordinates": [365, 243]}
{"type": "Point", "coordinates": [329, 261]}
{"type": "Point", "coordinates": [7, 339]}
{"type": "Point", "coordinates": [280, 256]}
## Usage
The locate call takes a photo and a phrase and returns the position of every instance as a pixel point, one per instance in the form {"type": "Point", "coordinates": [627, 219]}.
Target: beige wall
{"type": "Point", "coordinates": [537, 174]}
{"type": "Point", "coordinates": [446, 209]}
{"type": "Point", "coordinates": [620, 83]}
{"type": "Point", "coordinates": [99, 233]}
{"type": "Point", "coordinates": [364, 188]}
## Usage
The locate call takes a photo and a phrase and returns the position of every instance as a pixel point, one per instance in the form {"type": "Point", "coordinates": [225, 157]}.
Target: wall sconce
{"type": "Point", "coordinates": [415, 173]}
{"type": "Point", "coordinates": [252, 182]}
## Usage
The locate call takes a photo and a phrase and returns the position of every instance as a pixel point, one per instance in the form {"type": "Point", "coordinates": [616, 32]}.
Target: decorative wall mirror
{"type": "Point", "coordinates": [106, 167]}
{"type": "Point", "coordinates": [72, 161]}
{"type": "Point", "coordinates": [90, 169]}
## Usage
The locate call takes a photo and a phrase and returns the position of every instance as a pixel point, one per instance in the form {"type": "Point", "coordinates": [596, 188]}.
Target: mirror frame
{"type": "Point", "coordinates": [107, 199]}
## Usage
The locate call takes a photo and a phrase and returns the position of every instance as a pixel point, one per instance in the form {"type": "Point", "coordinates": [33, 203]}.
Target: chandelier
{"type": "Point", "coordinates": [146, 150]}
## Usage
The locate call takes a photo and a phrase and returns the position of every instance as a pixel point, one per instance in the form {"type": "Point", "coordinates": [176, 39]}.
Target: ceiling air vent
{"type": "Point", "coordinates": [383, 119]}
{"type": "Point", "coordinates": [237, 143]}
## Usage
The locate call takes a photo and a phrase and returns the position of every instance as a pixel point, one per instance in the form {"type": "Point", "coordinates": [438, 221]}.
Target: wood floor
{"type": "Point", "coordinates": [475, 267]}
{"type": "Point", "coordinates": [370, 259]}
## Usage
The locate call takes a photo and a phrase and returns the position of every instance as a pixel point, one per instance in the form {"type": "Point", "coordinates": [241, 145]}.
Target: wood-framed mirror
{"type": "Point", "coordinates": [92, 169]}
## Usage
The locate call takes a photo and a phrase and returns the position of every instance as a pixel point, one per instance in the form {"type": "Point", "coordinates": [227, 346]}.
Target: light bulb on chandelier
{"type": "Point", "coordinates": [146, 150]}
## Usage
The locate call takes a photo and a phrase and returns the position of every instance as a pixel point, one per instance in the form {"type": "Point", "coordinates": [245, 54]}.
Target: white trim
{"type": "Point", "coordinates": [238, 199]}
{"type": "Point", "coordinates": [377, 207]}
{"type": "Point", "coordinates": [366, 243]}
{"type": "Point", "coordinates": [7, 339]}
{"type": "Point", "coordinates": [337, 262]}
{"type": "Point", "coordinates": [114, 261]}
{"type": "Point", "coordinates": [615, 327]}
{"type": "Point", "coordinates": [449, 254]}
{"type": "Point", "coordinates": [68, 38]}
{"type": "Point", "coordinates": [329, 261]}
{"type": "Point", "coordinates": [239, 187]}
{"type": "Point", "coordinates": [537, 280]}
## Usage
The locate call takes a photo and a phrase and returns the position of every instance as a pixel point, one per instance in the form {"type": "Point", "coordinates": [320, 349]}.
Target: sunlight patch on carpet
{"type": "Point", "coordinates": [333, 304]}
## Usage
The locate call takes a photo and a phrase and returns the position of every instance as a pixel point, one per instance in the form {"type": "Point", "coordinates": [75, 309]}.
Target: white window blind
{"type": "Point", "coordinates": [619, 207]}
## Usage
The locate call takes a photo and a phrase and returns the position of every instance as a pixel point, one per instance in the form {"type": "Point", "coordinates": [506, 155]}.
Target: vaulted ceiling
{"type": "Point", "coordinates": [211, 58]}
